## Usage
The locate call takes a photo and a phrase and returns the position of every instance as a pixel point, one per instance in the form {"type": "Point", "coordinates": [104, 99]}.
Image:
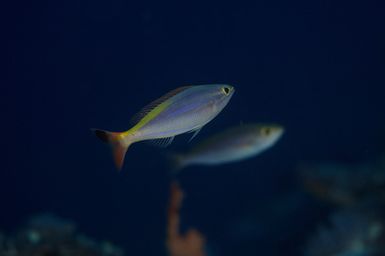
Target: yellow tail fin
{"type": "Point", "coordinates": [117, 142]}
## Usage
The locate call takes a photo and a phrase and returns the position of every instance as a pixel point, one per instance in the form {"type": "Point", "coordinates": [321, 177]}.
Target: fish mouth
{"type": "Point", "coordinates": [279, 130]}
{"type": "Point", "coordinates": [279, 133]}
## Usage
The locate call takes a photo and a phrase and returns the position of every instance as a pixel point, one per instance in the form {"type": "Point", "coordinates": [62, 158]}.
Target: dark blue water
{"type": "Point", "coordinates": [316, 67]}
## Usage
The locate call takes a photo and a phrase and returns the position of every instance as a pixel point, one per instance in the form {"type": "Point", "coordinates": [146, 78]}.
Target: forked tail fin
{"type": "Point", "coordinates": [117, 142]}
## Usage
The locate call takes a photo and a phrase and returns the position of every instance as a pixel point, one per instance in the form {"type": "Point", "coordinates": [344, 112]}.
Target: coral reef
{"type": "Point", "coordinates": [192, 243]}
{"type": "Point", "coordinates": [357, 227]}
{"type": "Point", "coordinates": [47, 235]}
{"type": "Point", "coordinates": [351, 232]}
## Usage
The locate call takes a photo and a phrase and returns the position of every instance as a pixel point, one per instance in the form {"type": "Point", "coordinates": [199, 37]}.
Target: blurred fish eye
{"type": "Point", "coordinates": [266, 131]}
{"type": "Point", "coordinates": [226, 90]}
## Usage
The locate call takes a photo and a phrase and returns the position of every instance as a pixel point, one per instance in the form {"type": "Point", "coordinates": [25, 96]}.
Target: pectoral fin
{"type": "Point", "coordinates": [196, 131]}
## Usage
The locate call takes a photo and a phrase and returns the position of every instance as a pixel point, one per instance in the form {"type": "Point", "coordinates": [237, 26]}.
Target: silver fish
{"type": "Point", "coordinates": [234, 144]}
{"type": "Point", "coordinates": [185, 109]}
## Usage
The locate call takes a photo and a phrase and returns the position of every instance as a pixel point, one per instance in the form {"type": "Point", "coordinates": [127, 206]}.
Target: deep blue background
{"type": "Point", "coordinates": [317, 67]}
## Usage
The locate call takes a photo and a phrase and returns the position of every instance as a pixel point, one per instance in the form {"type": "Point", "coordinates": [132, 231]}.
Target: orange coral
{"type": "Point", "coordinates": [190, 244]}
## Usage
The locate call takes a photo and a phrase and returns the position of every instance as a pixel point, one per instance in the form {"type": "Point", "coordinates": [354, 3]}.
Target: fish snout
{"type": "Point", "coordinates": [278, 129]}
{"type": "Point", "coordinates": [276, 132]}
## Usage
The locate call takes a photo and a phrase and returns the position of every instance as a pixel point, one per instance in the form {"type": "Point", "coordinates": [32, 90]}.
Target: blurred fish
{"type": "Point", "coordinates": [185, 109]}
{"type": "Point", "coordinates": [234, 144]}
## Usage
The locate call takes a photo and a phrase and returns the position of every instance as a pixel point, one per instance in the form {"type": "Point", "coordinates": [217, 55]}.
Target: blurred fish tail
{"type": "Point", "coordinates": [176, 162]}
{"type": "Point", "coordinates": [118, 143]}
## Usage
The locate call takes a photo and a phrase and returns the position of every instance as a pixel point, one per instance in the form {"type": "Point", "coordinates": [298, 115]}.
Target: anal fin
{"type": "Point", "coordinates": [162, 142]}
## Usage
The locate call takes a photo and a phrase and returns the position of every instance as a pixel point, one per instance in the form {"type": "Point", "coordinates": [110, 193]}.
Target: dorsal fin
{"type": "Point", "coordinates": [147, 109]}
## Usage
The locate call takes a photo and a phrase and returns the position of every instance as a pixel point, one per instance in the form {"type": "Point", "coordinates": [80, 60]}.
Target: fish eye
{"type": "Point", "coordinates": [226, 90]}
{"type": "Point", "coordinates": [266, 131]}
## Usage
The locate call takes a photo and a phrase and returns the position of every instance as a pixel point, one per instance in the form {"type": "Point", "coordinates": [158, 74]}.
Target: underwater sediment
{"type": "Point", "coordinates": [356, 226]}
{"type": "Point", "coordinates": [48, 235]}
